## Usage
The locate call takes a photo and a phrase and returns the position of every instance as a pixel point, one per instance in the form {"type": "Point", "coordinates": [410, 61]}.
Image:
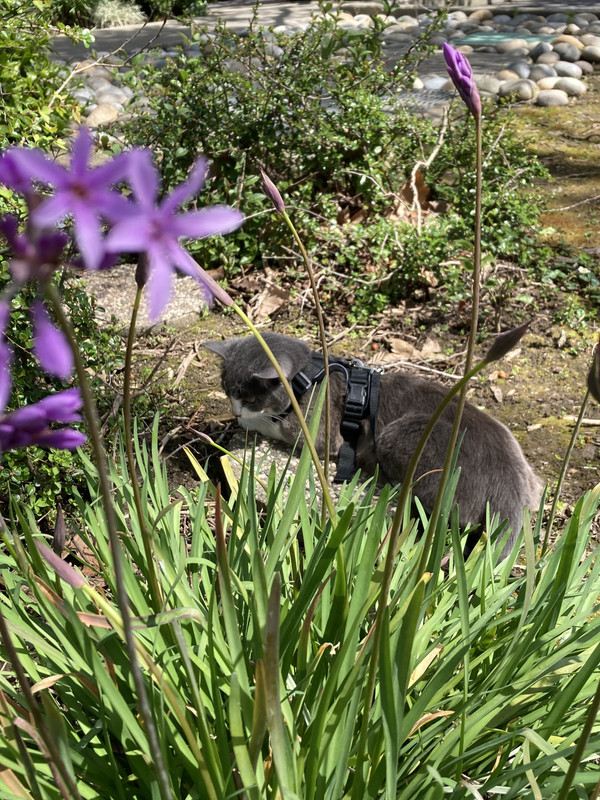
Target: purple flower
{"type": "Point", "coordinates": [29, 425]}
{"type": "Point", "coordinates": [460, 71]}
{"type": "Point", "coordinates": [12, 175]}
{"type": "Point", "coordinates": [156, 229]}
{"type": "Point", "coordinates": [272, 191]}
{"type": "Point", "coordinates": [36, 255]}
{"type": "Point", "coordinates": [81, 191]}
{"type": "Point", "coordinates": [50, 344]}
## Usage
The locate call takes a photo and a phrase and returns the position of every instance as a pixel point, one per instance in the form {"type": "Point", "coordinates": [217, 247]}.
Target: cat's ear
{"type": "Point", "coordinates": [269, 373]}
{"type": "Point", "coordinates": [220, 348]}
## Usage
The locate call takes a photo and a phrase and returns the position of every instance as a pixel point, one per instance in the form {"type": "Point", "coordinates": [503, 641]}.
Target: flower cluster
{"type": "Point", "coordinates": [106, 222]}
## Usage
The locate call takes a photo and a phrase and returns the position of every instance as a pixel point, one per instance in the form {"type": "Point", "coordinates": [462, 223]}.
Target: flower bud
{"type": "Point", "coordinates": [272, 191]}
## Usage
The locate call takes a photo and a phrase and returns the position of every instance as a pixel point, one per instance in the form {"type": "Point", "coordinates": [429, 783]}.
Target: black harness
{"type": "Point", "coordinates": [362, 399]}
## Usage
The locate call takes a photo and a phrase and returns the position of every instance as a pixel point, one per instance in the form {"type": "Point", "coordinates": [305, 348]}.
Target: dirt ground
{"type": "Point", "coordinates": [537, 391]}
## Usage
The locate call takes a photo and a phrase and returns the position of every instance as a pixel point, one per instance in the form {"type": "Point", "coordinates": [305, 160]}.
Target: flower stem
{"type": "Point", "coordinates": [91, 416]}
{"type": "Point", "coordinates": [321, 323]}
{"type": "Point", "coordinates": [155, 589]}
{"type": "Point", "coordinates": [563, 472]}
{"type": "Point", "coordinates": [297, 410]}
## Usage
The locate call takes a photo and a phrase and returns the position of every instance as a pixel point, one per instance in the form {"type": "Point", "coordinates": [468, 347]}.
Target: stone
{"type": "Point", "coordinates": [558, 17]}
{"type": "Point", "coordinates": [591, 53]}
{"type": "Point", "coordinates": [572, 86]}
{"type": "Point", "coordinates": [551, 97]}
{"type": "Point", "coordinates": [103, 114]}
{"type": "Point", "coordinates": [547, 83]}
{"type": "Point", "coordinates": [565, 69]}
{"type": "Point", "coordinates": [548, 58]}
{"type": "Point", "coordinates": [465, 48]}
{"type": "Point", "coordinates": [523, 89]}
{"type": "Point", "coordinates": [112, 95]}
{"type": "Point", "coordinates": [572, 29]}
{"type": "Point", "coordinates": [480, 14]}
{"type": "Point", "coordinates": [418, 83]}
{"type": "Point", "coordinates": [586, 67]}
{"type": "Point", "coordinates": [98, 84]}
{"type": "Point", "coordinates": [365, 21]}
{"type": "Point", "coordinates": [590, 39]}
{"type": "Point", "coordinates": [522, 68]}
{"type": "Point", "coordinates": [502, 19]}
{"type": "Point", "coordinates": [436, 82]}
{"type": "Point", "coordinates": [511, 44]}
{"type": "Point", "coordinates": [507, 75]}
{"type": "Point", "coordinates": [585, 17]}
{"type": "Point", "coordinates": [566, 39]}
{"type": "Point", "coordinates": [540, 47]}
{"type": "Point", "coordinates": [370, 7]}
{"type": "Point", "coordinates": [489, 84]}
{"type": "Point", "coordinates": [540, 71]}
{"type": "Point", "coordinates": [567, 52]}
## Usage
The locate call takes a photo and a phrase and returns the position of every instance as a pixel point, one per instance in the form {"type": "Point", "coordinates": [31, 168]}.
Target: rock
{"type": "Point", "coordinates": [590, 39]}
{"type": "Point", "coordinates": [541, 47]}
{"type": "Point", "coordinates": [551, 97]}
{"type": "Point", "coordinates": [507, 75]}
{"type": "Point", "coordinates": [436, 82]}
{"type": "Point", "coordinates": [418, 83]}
{"type": "Point", "coordinates": [558, 17]}
{"type": "Point", "coordinates": [511, 44]}
{"type": "Point", "coordinates": [567, 52]}
{"type": "Point", "coordinates": [584, 18]}
{"type": "Point", "coordinates": [370, 7]}
{"type": "Point", "coordinates": [547, 83]}
{"type": "Point", "coordinates": [539, 71]}
{"type": "Point", "coordinates": [489, 84]}
{"type": "Point", "coordinates": [572, 86]}
{"type": "Point", "coordinates": [566, 39]}
{"type": "Point", "coordinates": [586, 67]}
{"type": "Point", "coordinates": [548, 58]}
{"type": "Point", "coordinates": [464, 48]}
{"type": "Point", "coordinates": [365, 21]}
{"type": "Point", "coordinates": [112, 95]}
{"type": "Point", "coordinates": [523, 89]}
{"type": "Point", "coordinates": [480, 14]}
{"type": "Point", "coordinates": [522, 68]}
{"type": "Point", "coordinates": [103, 114]}
{"type": "Point", "coordinates": [565, 69]}
{"type": "Point", "coordinates": [591, 53]}
{"type": "Point", "coordinates": [99, 84]}
{"type": "Point", "coordinates": [502, 19]}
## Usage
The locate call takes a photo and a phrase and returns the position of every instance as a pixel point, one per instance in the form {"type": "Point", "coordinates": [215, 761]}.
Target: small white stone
{"type": "Point", "coordinates": [572, 86]}
{"type": "Point", "coordinates": [591, 53]}
{"type": "Point", "coordinates": [565, 69]}
{"type": "Point", "coordinates": [548, 82]}
{"type": "Point", "coordinates": [551, 97]}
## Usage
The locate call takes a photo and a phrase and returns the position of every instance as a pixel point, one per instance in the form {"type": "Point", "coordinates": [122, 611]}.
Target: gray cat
{"type": "Point", "coordinates": [493, 467]}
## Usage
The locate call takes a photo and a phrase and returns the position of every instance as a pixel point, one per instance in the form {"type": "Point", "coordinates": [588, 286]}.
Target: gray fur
{"type": "Point", "coordinates": [493, 467]}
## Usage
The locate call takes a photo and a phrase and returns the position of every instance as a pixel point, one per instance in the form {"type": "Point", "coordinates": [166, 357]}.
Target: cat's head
{"type": "Point", "coordinates": [250, 380]}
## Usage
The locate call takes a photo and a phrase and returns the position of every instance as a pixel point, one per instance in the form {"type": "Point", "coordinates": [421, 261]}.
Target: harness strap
{"type": "Point", "coordinates": [362, 398]}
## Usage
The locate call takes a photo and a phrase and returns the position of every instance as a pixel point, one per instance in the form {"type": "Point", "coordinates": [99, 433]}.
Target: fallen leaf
{"type": "Point", "coordinates": [430, 347]}
{"type": "Point", "coordinates": [269, 301]}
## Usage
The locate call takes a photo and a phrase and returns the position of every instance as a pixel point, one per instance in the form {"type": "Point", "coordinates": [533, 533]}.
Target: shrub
{"type": "Point", "coordinates": [330, 125]}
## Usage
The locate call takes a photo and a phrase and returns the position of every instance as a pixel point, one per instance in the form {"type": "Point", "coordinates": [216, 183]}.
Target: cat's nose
{"type": "Point", "coordinates": [236, 407]}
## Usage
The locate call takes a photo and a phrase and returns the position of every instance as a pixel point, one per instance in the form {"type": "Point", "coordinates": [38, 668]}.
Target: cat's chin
{"type": "Point", "coordinates": [262, 424]}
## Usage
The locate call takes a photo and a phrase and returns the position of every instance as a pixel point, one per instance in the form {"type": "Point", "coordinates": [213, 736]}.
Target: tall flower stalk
{"type": "Point", "coordinates": [275, 197]}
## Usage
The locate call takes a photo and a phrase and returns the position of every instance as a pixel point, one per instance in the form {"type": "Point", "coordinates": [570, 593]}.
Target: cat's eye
{"type": "Point", "coordinates": [250, 400]}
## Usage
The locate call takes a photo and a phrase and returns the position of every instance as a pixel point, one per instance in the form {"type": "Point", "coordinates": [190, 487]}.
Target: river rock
{"type": "Point", "coordinates": [557, 17]}
{"type": "Point", "coordinates": [481, 14]}
{"type": "Point", "coordinates": [590, 39]}
{"type": "Point", "coordinates": [522, 68]}
{"type": "Point", "coordinates": [507, 75]}
{"type": "Point", "coordinates": [548, 82]}
{"type": "Point", "coordinates": [523, 89]}
{"type": "Point", "coordinates": [586, 67]}
{"type": "Point", "coordinates": [511, 44]}
{"type": "Point", "coordinates": [548, 58]}
{"type": "Point", "coordinates": [572, 86]}
{"type": "Point", "coordinates": [489, 84]}
{"type": "Point", "coordinates": [584, 18]}
{"type": "Point", "coordinates": [551, 97]}
{"type": "Point", "coordinates": [539, 71]}
{"type": "Point", "coordinates": [540, 47]}
{"type": "Point", "coordinates": [565, 69]}
{"type": "Point", "coordinates": [591, 53]}
{"type": "Point", "coordinates": [103, 114]}
{"type": "Point", "coordinates": [567, 52]}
